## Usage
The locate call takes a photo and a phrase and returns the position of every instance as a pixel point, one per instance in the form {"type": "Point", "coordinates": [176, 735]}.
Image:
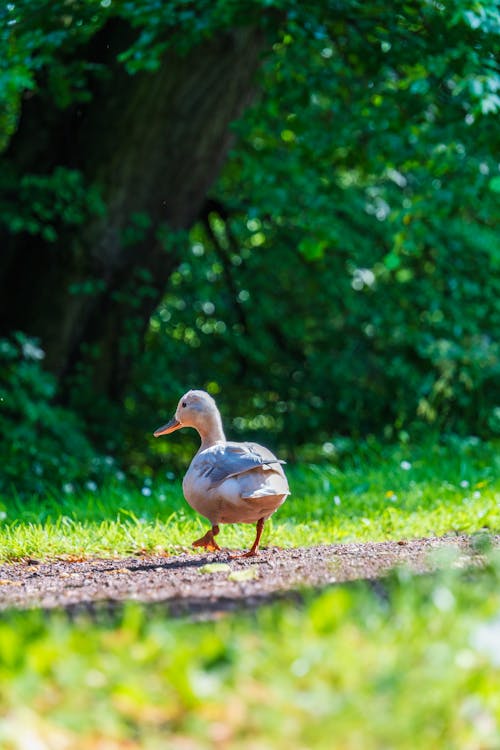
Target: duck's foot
{"type": "Point", "coordinates": [250, 553]}
{"type": "Point", "coordinates": [254, 551]}
{"type": "Point", "coordinates": [208, 541]}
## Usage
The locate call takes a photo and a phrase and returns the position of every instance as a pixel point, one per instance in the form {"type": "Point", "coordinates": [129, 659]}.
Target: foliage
{"type": "Point", "coordinates": [359, 493]}
{"type": "Point", "coordinates": [42, 42]}
{"type": "Point", "coordinates": [344, 277]}
{"type": "Point", "coordinates": [40, 204]}
{"type": "Point", "coordinates": [39, 37]}
{"type": "Point", "coordinates": [414, 668]}
{"type": "Point", "coordinates": [43, 444]}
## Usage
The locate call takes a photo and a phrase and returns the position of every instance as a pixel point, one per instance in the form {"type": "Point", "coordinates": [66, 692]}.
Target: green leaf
{"type": "Point", "coordinates": [246, 574]}
{"type": "Point", "coordinates": [312, 248]}
{"type": "Point", "coordinates": [211, 568]}
{"type": "Point", "coordinates": [494, 184]}
{"type": "Point", "coordinates": [392, 261]}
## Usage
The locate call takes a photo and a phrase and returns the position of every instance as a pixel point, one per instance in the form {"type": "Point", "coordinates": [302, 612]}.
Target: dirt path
{"type": "Point", "coordinates": [185, 586]}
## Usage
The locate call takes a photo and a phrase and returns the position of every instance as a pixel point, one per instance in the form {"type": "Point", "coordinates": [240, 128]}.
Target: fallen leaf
{"type": "Point", "coordinates": [214, 568]}
{"type": "Point", "coordinates": [246, 574]}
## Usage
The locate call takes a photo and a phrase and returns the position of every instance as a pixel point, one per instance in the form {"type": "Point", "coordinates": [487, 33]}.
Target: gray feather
{"type": "Point", "coordinates": [221, 462]}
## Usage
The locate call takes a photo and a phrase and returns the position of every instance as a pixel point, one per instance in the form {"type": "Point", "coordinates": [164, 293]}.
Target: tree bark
{"type": "Point", "coordinates": [154, 144]}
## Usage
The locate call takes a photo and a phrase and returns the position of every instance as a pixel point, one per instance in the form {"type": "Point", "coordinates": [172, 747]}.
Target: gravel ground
{"type": "Point", "coordinates": [188, 584]}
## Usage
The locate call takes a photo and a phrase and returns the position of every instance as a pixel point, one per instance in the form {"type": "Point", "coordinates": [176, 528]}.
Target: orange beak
{"type": "Point", "coordinates": [174, 424]}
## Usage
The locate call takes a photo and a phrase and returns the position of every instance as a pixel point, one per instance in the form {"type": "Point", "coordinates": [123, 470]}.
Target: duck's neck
{"type": "Point", "coordinates": [211, 431]}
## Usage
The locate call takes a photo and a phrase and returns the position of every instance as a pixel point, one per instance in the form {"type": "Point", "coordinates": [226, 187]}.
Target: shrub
{"type": "Point", "coordinates": [43, 444]}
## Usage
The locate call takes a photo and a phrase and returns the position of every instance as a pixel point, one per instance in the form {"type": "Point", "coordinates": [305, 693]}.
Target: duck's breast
{"type": "Point", "coordinates": [196, 489]}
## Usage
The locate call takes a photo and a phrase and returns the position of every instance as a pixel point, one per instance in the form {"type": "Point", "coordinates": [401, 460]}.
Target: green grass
{"type": "Point", "coordinates": [411, 665]}
{"type": "Point", "coordinates": [416, 669]}
{"type": "Point", "coordinates": [380, 493]}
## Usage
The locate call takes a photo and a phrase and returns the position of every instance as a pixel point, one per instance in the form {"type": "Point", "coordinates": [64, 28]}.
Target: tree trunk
{"type": "Point", "coordinates": [153, 143]}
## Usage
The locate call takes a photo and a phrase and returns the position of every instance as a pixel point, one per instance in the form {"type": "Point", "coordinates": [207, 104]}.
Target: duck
{"type": "Point", "coordinates": [226, 482]}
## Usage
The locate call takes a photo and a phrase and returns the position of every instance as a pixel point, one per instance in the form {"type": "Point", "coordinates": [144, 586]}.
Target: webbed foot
{"type": "Point", "coordinates": [254, 551]}
{"type": "Point", "coordinates": [208, 540]}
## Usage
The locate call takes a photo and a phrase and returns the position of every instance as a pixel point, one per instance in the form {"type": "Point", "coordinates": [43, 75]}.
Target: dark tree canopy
{"type": "Point", "coordinates": [291, 203]}
{"type": "Point", "coordinates": [128, 168]}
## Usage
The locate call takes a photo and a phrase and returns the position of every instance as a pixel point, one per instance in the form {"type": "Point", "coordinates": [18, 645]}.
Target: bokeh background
{"type": "Point", "coordinates": [291, 205]}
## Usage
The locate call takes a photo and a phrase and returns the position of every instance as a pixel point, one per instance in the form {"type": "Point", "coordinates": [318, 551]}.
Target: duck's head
{"type": "Point", "coordinates": [195, 409]}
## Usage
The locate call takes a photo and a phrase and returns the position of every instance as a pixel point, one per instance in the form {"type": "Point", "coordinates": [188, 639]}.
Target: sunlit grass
{"type": "Point", "coordinates": [415, 669]}
{"type": "Point", "coordinates": [377, 494]}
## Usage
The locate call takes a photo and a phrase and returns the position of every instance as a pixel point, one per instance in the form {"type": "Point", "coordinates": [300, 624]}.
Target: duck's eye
{"type": "Point", "coordinates": [183, 404]}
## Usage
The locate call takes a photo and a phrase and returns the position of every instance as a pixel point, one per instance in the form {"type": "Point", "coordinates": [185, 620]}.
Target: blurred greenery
{"type": "Point", "coordinates": [44, 444]}
{"type": "Point", "coordinates": [341, 279]}
{"type": "Point", "coordinates": [346, 277]}
{"type": "Point", "coordinates": [411, 664]}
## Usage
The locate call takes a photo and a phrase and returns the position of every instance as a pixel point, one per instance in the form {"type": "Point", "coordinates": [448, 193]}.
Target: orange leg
{"type": "Point", "coordinates": [255, 546]}
{"type": "Point", "coordinates": [208, 540]}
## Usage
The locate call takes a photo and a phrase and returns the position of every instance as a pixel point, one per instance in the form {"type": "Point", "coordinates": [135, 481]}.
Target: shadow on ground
{"type": "Point", "coordinates": [209, 585]}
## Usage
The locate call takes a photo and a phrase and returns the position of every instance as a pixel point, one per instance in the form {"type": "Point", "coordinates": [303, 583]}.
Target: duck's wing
{"type": "Point", "coordinates": [221, 462]}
